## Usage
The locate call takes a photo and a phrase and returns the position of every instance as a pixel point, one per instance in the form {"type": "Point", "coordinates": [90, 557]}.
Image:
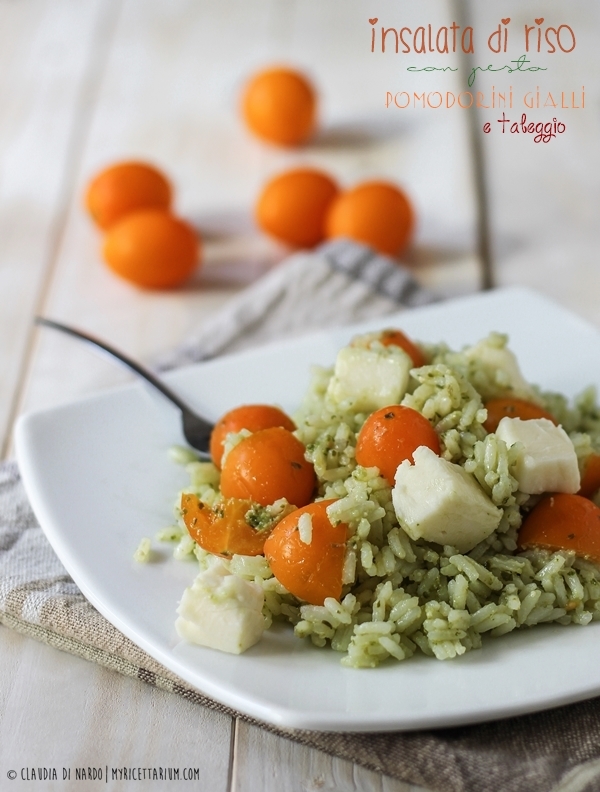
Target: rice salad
{"type": "Point", "coordinates": [400, 594]}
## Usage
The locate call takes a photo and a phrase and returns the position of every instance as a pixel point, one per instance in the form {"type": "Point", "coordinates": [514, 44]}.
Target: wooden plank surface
{"type": "Point", "coordinates": [50, 54]}
{"type": "Point", "coordinates": [162, 81]}
{"type": "Point", "coordinates": [262, 761]}
{"type": "Point", "coordinates": [170, 93]}
{"type": "Point", "coordinates": [60, 711]}
{"type": "Point", "coordinates": [544, 197]}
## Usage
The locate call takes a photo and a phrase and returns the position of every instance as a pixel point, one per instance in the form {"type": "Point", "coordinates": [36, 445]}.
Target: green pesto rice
{"type": "Point", "coordinates": [402, 596]}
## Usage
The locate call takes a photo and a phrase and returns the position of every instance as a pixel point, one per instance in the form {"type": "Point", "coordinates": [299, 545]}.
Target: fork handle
{"type": "Point", "coordinates": [128, 363]}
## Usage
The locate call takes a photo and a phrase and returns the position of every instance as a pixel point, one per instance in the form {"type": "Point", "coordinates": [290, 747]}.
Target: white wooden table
{"type": "Point", "coordinates": [85, 84]}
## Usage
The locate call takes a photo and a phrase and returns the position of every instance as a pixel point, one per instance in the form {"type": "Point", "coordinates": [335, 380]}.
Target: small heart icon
{"type": "Point", "coordinates": [539, 21]}
{"type": "Point", "coordinates": [506, 21]}
{"type": "Point", "coordinates": [374, 21]}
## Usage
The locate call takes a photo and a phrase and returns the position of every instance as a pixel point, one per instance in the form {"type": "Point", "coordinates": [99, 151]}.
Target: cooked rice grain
{"type": "Point", "coordinates": [401, 596]}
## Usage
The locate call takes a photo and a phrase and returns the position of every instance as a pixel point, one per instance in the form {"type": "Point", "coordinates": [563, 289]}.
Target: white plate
{"type": "Point", "coordinates": [98, 477]}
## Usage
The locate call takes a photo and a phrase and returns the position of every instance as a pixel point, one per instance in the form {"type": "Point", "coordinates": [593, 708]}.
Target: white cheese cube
{"type": "Point", "coordinates": [501, 364]}
{"type": "Point", "coordinates": [547, 462]}
{"type": "Point", "coordinates": [366, 379]}
{"type": "Point", "coordinates": [438, 501]}
{"type": "Point", "coordinates": [222, 611]}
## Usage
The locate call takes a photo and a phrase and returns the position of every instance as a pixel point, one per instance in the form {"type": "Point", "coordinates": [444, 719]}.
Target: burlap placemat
{"type": "Point", "coordinates": [557, 750]}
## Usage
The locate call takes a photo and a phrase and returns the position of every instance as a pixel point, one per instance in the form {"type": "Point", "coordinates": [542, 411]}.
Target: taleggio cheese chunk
{"type": "Point", "coordinates": [221, 610]}
{"type": "Point", "coordinates": [367, 379]}
{"type": "Point", "coordinates": [438, 501]}
{"type": "Point", "coordinates": [547, 462]}
{"type": "Point", "coordinates": [502, 365]}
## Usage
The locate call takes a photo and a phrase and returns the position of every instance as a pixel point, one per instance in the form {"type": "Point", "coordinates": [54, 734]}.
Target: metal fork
{"type": "Point", "coordinates": [196, 429]}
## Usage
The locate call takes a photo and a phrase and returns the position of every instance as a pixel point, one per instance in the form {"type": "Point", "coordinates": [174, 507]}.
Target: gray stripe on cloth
{"type": "Point", "coordinates": [339, 283]}
{"type": "Point", "coordinates": [381, 273]}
